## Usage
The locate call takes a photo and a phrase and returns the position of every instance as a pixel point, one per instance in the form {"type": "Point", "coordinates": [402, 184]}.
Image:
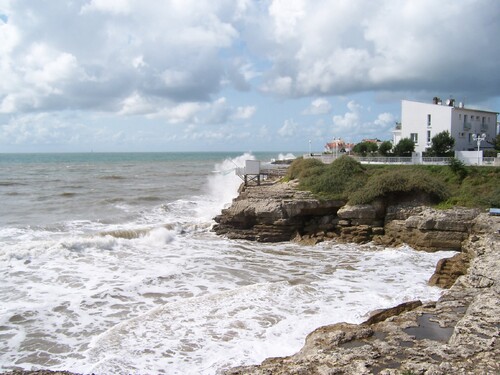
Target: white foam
{"type": "Point", "coordinates": [288, 156]}
{"type": "Point", "coordinates": [222, 187]}
{"type": "Point", "coordinates": [176, 298]}
{"type": "Point", "coordinates": [248, 324]}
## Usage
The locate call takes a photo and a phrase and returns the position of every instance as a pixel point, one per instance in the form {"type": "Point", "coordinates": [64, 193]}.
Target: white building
{"type": "Point", "coordinates": [422, 121]}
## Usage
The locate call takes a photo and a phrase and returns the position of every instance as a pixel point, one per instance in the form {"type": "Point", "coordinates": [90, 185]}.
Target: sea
{"type": "Point", "coordinates": [108, 265]}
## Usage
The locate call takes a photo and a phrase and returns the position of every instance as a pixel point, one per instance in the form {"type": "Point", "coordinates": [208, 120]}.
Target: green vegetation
{"type": "Point", "coordinates": [405, 147]}
{"type": "Point", "coordinates": [365, 148]}
{"type": "Point", "coordinates": [385, 148]}
{"type": "Point", "coordinates": [442, 144]}
{"type": "Point", "coordinates": [448, 185]}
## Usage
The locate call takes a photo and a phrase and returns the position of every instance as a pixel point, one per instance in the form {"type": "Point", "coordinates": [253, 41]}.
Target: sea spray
{"type": "Point", "coordinates": [222, 186]}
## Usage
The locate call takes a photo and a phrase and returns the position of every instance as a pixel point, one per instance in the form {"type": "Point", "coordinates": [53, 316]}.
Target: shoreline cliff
{"type": "Point", "coordinates": [457, 334]}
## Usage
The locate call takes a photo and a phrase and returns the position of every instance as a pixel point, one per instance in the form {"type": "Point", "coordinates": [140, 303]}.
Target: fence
{"type": "Point", "coordinates": [416, 159]}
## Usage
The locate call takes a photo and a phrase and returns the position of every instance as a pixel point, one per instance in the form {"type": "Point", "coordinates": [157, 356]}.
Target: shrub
{"type": "Point", "coordinates": [458, 168]}
{"type": "Point", "coordinates": [339, 178]}
{"type": "Point", "coordinates": [301, 166]}
{"type": "Point", "coordinates": [400, 181]}
{"type": "Point", "coordinates": [405, 147]}
{"type": "Point", "coordinates": [385, 148]}
{"type": "Point", "coordinates": [442, 144]}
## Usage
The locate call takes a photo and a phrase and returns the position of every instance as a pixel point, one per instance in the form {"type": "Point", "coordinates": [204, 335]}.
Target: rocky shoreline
{"type": "Point", "coordinates": [457, 334]}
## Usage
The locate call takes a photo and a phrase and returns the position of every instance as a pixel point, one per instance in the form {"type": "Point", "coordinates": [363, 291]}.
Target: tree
{"type": "Point", "coordinates": [405, 147]}
{"type": "Point", "coordinates": [360, 148]}
{"type": "Point", "coordinates": [385, 148]}
{"type": "Point", "coordinates": [495, 142]}
{"type": "Point", "coordinates": [442, 144]}
{"type": "Point", "coordinates": [363, 148]}
{"type": "Point", "coordinates": [372, 147]}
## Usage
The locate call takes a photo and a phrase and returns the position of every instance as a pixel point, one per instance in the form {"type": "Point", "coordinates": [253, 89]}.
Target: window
{"type": "Point", "coordinates": [428, 137]}
{"type": "Point", "coordinates": [414, 137]}
{"type": "Point", "coordinates": [461, 135]}
{"type": "Point", "coordinates": [470, 138]}
{"type": "Point", "coordinates": [459, 116]}
{"type": "Point", "coordinates": [428, 120]}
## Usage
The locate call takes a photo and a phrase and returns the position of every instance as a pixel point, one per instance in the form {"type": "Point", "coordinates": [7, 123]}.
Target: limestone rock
{"type": "Point", "coordinates": [276, 212]}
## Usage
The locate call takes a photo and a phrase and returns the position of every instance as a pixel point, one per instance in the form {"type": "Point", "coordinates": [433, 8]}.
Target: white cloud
{"type": "Point", "coordinates": [211, 63]}
{"type": "Point", "coordinates": [41, 129]}
{"type": "Point", "coordinates": [350, 120]}
{"type": "Point", "coordinates": [182, 113]}
{"type": "Point", "coordinates": [136, 104]}
{"type": "Point", "coordinates": [326, 47]}
{"type": "Point", "coordinates": [286, 15]}
{"type": "Point", "coordinates": [319, 106]}
{"type": "Point", "coordinates": [244, 113]}
{"type": "Point", "coordinates": [288, 129]}
{"type": "Point", "coordinates": [107, 6]}
{"type": "Point", "coordinates": [354, 124]}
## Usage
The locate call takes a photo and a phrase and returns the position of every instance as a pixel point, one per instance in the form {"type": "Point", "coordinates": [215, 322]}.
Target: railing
{"type": "Point", "coordinates": [491, 161]}
{"type": "Point", "coordinates": [384, 160]}
{"type": "Point", "coordinates": [328, 158]}
{"type": "Point", "coordinates": [436, 160]}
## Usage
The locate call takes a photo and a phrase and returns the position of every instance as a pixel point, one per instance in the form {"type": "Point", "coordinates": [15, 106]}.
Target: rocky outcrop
{"type": "Point", "coordinates": [279, 212]}
{"type": "Point", "coordinates": [275, 212]}
{"type": "Point", "coordinates": [459, 334]}
{"type": "Point", "coordinates": [428, 229]}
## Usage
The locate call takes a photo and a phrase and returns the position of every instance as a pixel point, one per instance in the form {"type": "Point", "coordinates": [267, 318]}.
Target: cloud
{"type": "Point", "coordinates": [244, 113]}
{"type": "Point", "coordinates": [336, 48]}
{"type": "Point", "coordinates": [318, 106]}
{"type": "Point", "coordinates": [288, 130]}
{"type": "Point", "coordinates": [112, 50]}
{"type": "Point", "coordinates": [42, 129]}
{"type": "Point", "coordinates": [352, 123]}
{"type": "Point", "coordinates": [107, 6]}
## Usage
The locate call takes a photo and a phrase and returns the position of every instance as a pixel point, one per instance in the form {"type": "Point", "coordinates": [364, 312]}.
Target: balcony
{"type": "Point", "coordinates": [467, 126]}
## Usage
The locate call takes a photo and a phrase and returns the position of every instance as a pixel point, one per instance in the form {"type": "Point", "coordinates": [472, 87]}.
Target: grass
{"type": "Point", "coordinates": [447, 186]}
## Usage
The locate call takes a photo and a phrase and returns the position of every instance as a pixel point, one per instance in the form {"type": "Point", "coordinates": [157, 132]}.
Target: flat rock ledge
{"type": "Point", "coordinates": [458, 334]}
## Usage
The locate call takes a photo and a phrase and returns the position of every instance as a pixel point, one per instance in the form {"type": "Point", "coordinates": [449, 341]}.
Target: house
{"type": "Point", "coordinates": [338, 145]}
{"type": "Point", "coordinates": [422, 121]}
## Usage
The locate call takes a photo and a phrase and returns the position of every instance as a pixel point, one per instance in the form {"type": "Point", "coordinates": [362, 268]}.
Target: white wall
{"type": "Point", "coordinates": [470, 157]}
{"type": "Point", "coordinates": [414, 119]}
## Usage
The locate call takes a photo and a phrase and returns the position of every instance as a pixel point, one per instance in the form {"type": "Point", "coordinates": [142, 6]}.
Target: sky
{"type": "Point", "coordinates": [234, 75]}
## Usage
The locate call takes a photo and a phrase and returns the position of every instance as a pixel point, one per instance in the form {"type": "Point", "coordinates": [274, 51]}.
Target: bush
{"type": "Point", "coordinates": [400, 181]}
{"type": "Point", "coordinates": [451, 185]}
{"type": "Point", "coordinates": [442, 144]}
{"type": "Point", "coordinates": [339, 178]}
{"type": "Point", "coordinates": [301, 166]}
{"type": "Point", "coordinates": [405, 147]}
{"type": "Point", "coordinates": [385, 148]}
{"type": "Point", "coordinates": [458, 168]}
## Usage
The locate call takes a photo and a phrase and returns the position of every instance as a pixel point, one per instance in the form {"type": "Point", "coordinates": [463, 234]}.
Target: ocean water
{"type": "Point", "coordinates": [108, 265]}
